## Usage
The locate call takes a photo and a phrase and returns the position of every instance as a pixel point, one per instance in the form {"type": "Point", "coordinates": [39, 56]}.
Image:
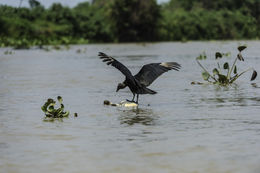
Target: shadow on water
{"type": "Point", "coordinates": [138, 116]}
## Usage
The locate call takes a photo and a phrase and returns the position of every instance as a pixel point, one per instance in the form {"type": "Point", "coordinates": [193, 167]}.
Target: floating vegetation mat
{"type": "Point", "coordinates": [52, 111]}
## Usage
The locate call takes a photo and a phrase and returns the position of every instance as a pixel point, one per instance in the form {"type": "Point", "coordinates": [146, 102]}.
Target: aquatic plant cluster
{"type": "Point", "coordinates": [123, 21]}
{"type": "Point", "coordinates": [224, 74]}
{"type": "Point", "coordinates": [51, 112]}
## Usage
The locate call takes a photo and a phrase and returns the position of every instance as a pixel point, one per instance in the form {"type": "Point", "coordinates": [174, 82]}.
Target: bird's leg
{"type": "Point", "coordinates": [137, 98]}
{"type": "Point", "coordinates": [132, 99]}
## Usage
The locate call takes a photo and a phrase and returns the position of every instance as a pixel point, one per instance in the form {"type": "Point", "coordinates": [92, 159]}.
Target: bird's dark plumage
{"type": "Point", "coordinates": [150, 72]}
{"type": "Point", "coordinates": [138, 84]}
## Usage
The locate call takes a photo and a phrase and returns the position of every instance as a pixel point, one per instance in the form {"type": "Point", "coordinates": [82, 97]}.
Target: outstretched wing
{"type": "Point", "coordinates": [110, 60]}
{"type": "Point", "coordinates": [150, 72]}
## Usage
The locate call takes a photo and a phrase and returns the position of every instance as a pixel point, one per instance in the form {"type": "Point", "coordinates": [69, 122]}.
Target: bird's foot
{"type": "Point", "coordinates": [131, 101]}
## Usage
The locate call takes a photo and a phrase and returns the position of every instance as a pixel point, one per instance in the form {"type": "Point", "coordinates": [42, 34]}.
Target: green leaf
{"type": "Point", "coordinates": [254, 75]}
{"type": "Point", "coordinates": [235, 70]}
{"type": "Point", "coordinates": [202, 56]}
{"type": "Point", "coordinates": [59, 111]}
{"type": "Point", "coordinates": [59, 98]}
{"type": "Point", "coordinates": [44, 109]}
{"type": "Point", "coordinates": [222, 79]}
{"type": "Point", "coordinates": [50, 100]}
{"type": "Point", "coordinates": [66, 114]}
{"type": "Point", "coordinates": [51, 109]}
{"type": "Point", "coordinates": [241, 48]}
{"type": "Point", "coordinates": [205, 75]}
{"type": "Point", "coordinates": [47, 104]}
{"type": "Point", "coordinates": [218, 55]}
{"type": "Point", "coordinates": [215, 71]}
{"type": "Point", "coordinates": [226, 66]}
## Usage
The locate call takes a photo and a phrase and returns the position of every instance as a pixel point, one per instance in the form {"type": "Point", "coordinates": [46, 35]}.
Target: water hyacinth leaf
{"type": "Point", "coordinates": [222, 79]}
{"type": "Point", "coordinates": [215, 71]}
{"type": "Point", "coordinates": [226, 66]}
{"type": "Point", "coordinates": [240, 57]}
{"type": "Point", "coordinates": [241, 48]}
{"type": "Point", "coordinates": [50, 100]}
{"type": "Point", "coordinates": [48, 115]}
{"type": "Point", "coordinates": [59, 98]}
{"type": "Point", "coordinates": [59, 111]}
{"type": "Point", "coordinates": [235, 70]}
{"type": "Point", "coordinates": [205, 75]}
{"type": "Point", "coordinates": [44, 109]}
{"type": "Point", "coordinates": [51, 109]}
{"type": "Point", "coordinates": [218, 55]}
{"type": "Point", "coordinates": [66, 114]}
{"type": "Point", "coordinates": [254, 75]}
{"type": "Point", "coordinates": [47, 104]}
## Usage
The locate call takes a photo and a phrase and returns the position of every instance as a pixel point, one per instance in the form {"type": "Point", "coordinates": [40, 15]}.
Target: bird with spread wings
{"type": "Point", "coordinates": [138, 83]}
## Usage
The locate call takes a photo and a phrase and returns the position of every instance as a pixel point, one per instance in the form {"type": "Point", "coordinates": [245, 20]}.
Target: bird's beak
{"type": "Point", "coordinates": [117, 89]}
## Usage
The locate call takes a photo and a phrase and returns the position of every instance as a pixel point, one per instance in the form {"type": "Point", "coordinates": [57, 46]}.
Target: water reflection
{"type": "Point", "coordinates": [255, 85]}
{"type": "Point", "coordinates": [138, 116]}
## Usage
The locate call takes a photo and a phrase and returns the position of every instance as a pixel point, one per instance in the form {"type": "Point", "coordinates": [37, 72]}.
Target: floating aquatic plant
{"type": "Point", "coordinates": [224, 74]}
{"type": "Point", "coordinates": [51, 112]}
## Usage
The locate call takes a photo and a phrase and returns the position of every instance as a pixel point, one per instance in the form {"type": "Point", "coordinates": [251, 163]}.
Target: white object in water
{"type": "Point", "coordinates": [124, 103]}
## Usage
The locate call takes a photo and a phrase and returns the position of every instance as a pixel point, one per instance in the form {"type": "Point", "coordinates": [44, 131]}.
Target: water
{"type": "Point", "coordinates": [184, 128]}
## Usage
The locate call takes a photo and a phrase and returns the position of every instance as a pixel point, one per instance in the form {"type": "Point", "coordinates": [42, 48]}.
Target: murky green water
{"type": "Point", "coordinates": [186, 128]}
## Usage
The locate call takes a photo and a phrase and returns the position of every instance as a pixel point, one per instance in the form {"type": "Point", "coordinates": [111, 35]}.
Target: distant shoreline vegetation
{"type": "Point", "coordinates": [117, 21]}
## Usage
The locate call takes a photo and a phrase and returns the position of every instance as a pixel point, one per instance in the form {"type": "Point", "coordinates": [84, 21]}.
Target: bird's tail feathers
{"type": "Point", "coordinates": [148, 91]}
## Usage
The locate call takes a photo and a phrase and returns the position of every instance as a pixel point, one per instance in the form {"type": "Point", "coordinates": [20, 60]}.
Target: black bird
{"type": "Point", "coordinates": [138, 83]}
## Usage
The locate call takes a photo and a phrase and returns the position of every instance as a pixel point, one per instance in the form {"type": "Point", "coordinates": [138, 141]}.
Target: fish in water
{"type": "Point", "coordinates": [138, 83]}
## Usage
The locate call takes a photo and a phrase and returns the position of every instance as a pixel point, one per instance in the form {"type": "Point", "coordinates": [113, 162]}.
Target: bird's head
{"type": "Point", "coordinates": [120, 86]}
